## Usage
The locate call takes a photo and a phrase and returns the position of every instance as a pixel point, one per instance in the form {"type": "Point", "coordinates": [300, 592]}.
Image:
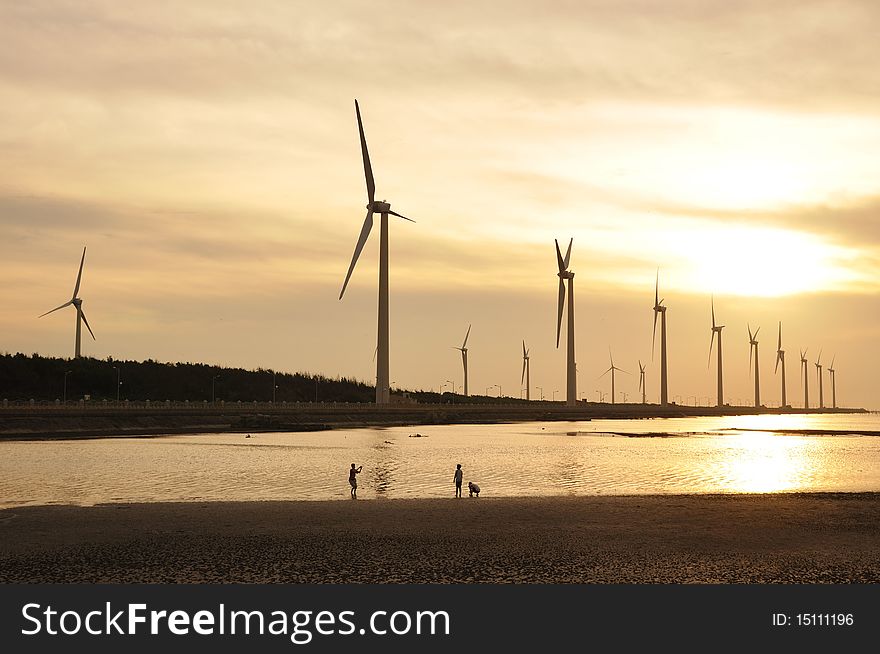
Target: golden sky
{"type": "Point", "coordinates": [207, 155]}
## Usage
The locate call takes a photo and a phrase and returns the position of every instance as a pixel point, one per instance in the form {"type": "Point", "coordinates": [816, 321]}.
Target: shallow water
{"type": "Point", "coordinates": [696, 455]}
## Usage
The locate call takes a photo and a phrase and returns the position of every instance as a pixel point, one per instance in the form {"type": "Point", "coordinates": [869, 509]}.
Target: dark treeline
{"type": "Point", "coordinates": [42, 379]}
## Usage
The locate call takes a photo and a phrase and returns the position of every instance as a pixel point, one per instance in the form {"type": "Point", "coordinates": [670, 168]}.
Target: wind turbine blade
{"type": "Point", "coordinates": [524, 350]}
{"type": "Point", "coordinates": [87, 324]}
{"type": "Point", "coordinates": [713, 312]}
{"type": "Point", "coordinates": [561, 305]}
{"type": "Point", "coordinates": [779, 342]}
{"type": "Point", "coordinates": [751, 338]}
{"type": "Point", "coordinates": [756, 332]}
{"type": "Point", "coordinates": [368, 169]}
{"type": "Point", "coordinates": [819, 358]}
{"type": "Point", "coordinates": [653, 334]}
{"type": "Point", "coordinates": [778, 357]}
{"type": "Point", "coordinates": [832, 362]}
{"type": "Point", "coordinates": [567, 258]}
{"type": "Point", "coordinates": [464, 345]}
{"type": "Point", "coordinates": [610, 356]}
{"type": "Point", "coordinates": [394, 213]}
{"type": "Point", "coordinates": [523, 378]}
{"type": "Point", "coordinates": [751, 347]}
{"type": "Point", "coordinates": [711, 343]}
{"type": "Point", "coordinates": [68, 303]}
{"type": "Point", "coordinates": [362, 239]}
{"type": "Point", "coordinates": [559, 261]}
{"type": "Point", "coordinates": [657, 288]}
{"type": "Point", "coordinates": [79, 274]}
{"type": "Point", "coordinates": [605, 373]}
{"type": "Point", "coordinates": [375, 352]}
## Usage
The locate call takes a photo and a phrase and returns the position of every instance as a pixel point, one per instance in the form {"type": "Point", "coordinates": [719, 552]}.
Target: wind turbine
{"type": "Point", "coordinates": [525, 371]}
{"type": "Point", "coordinates": [833, 384]}
{"type": "Point", "coordinates": [659, 308]}
{"type": "Point", "coordinates": [642, 388]}
{"type": "Point", "coordinates": [563, 274]}
{"type": "Point", "coordinates": [780, 358]}
{"type": "Point", "coordinates": [805, 370]}
{"type": "Point", "coordinates": [463, 349]}
{"type": "Point", "coordinates": [818, 365]}
{"type": "Point", "coordinates": [612, 370]}
{"type": "Point", "coordinates": [716, 329]}
{"type": "Point", "coordinates": [383, 208]}
{"type": "Point", "coordinates": [77, 303]}
{"type": "Point", "coordinates": [753, 343]}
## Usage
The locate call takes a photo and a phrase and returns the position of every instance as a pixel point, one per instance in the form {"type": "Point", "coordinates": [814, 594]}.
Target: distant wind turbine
{"type": "Point", "coordinates": [612, 370]}
{"type": "Point", "coordinates": [821, 385]}
{"type": "Point", "coordinates": [805, 370]}
{"type": "Point", "coordinates": [525, 371]}
{"type": "Point", "coordinates": [659, 308]}
{"type": "Point", "coordinates": [833, 384]}
{"type": "Point", "coordinates": [753, 344]}
{"type": "Point", "coordinates": [780, 358]}
{"type": "Point", "coordinates": [642, 388]}
{"type": "Point", "coordinates": [563, 274]}
{"type": "Point", "coordinates": [77, 303]}
{"type": "Point", "coordinates": [716, 329]}
{"type": "Point", "coordinates": [383, 377]}
{"type": "Point", "coordinates": [463, 349]}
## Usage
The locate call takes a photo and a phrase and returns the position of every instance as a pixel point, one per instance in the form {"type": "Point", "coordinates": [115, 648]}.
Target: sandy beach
{"type": "Point", "coordinates": [786, 538]}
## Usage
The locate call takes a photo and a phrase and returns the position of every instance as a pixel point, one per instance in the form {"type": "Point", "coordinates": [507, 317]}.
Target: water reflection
{"type": "Point", "coordinates": [711, 455]}
{"type": "Point", "coordinates": [761, 462]}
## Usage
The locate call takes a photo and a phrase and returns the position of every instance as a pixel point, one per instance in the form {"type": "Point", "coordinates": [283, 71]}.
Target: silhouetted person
{"type": "Point", "coordinates": [458, 477]}
{"type": "Point", "coordinates": [352, 479]}
{"type": "Point", "coordinates": [473, 489]}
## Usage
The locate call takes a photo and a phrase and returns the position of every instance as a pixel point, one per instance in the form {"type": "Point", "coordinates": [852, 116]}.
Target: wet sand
{"type": "Point", "coordinates": [785, 538]}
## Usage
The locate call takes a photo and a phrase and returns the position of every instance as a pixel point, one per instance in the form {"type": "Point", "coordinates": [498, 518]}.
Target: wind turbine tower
{"type": "Point", "coordinates": [821, 385]}
{"type": "Point", "coordinates": [659, 308]}
{"type": "Point", "coordinates": [642, 381]}
{"type": "Point", "coordinates": [463, 349]}
{"type": "Point", "coordinates": [716, 329]}
{"type": "Point", "coordinates": [383, 375]}
{"type": "Point", "coordinates": [525, 371]}
{"type": "Point", "coordinates": [612, 370]}
{"type": "Point", "coordinates": [780, 358]}
{"type": "Point", "coordinates": [571, 367]}
{"type": "Point", "coordinates": [753, 343]}
{"type": "Point", "coordinates": [77, 302]}
{"type": "Point", "coordinates": [833, 384]}
{"type": "Point", "coordinates": [805, 370]}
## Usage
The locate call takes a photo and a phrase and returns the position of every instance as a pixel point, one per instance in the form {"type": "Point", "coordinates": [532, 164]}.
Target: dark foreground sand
{"type": "Point", "coordinates": [807, 538]}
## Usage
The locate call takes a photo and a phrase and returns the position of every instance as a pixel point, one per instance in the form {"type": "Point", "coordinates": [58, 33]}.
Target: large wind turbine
{"type": "Point", "coordinates": [642, 388]}
{"type": "Point", "coordinates": [564, 273]}
{"type": "Point", "coordinates": [525, 372]}
{"type": "Point", "coordinates": [77, 303]}
{"type": "Point", "coordinates": [612, 370]}
{"type": "Point", "coordinates": [463, 349]}
{"type": "Point", "coordinates": [780, 358]}
{"type": "Point", "coordinates": [716, 329]}
{"type": "Point", "coordinates": [753, 344]}
{"type": "Point", "coordinates": [383, 208]}
{"type": "Point", "coordinates": [659, 308]}
{"type": "Point", "coordinates": [821, 385]}
{"type": "Point", "coordinates": [805, 370]}
{"type": "Point", "coordinates": [833, 384]}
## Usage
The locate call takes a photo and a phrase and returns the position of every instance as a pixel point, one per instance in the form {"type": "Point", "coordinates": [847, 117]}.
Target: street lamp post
{"type": "Point", "coordinates": [274, 387]}
{"type": "Point", "coordinates": [64, 392]}
{"type": "Point", "coordinates": [499, 389]}
{"type": "Point", "coordinates": [554, 395]}
{"type": "Point", "coordinates": [541, 388]}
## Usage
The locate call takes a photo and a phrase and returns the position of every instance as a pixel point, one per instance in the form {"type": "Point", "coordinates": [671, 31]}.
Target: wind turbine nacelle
{"type": "Point", "coordinates": [379, 207]}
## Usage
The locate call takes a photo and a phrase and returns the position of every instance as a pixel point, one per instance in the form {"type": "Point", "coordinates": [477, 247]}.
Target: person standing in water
{"type": "Point", "coordinates": [352, 479]}
{"type": "Point", "coordinates": [457, 478]}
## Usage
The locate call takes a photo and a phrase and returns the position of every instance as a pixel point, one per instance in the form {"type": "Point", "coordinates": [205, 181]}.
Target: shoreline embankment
{"type": "Point", "coordinates": [102, 420]}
